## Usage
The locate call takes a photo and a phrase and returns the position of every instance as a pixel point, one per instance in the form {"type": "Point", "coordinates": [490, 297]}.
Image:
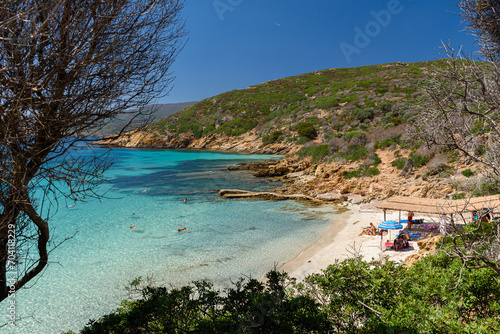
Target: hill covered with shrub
{"type": "Point", "coordinates": [342, 103]}
{"type": "Point", "coordinates": [339, 108]}
{"type": "Point", "coordinates": [348, 117]}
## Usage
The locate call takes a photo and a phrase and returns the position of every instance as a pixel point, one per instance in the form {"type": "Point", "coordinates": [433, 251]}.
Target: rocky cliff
{"type": "Point", "coordinates": [247, 143]}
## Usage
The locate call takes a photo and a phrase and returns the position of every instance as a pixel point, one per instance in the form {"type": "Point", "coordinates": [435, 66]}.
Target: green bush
{"type": "Point", "coordinates": [317, 153]}
{"type": "Point", "coordinates": [481, 150]}
{"type": "Point", "coordinates": [458, 196]}
{"type": "Point", "coordinates": [361, 172]}
{"type": "Point", "coordinates": [302, 140]}
{"type": "Point", "coordinates": [418, 161]}
{"type": "Point", "coordinates": [354, 153]}
{"type": "Point", "coordinates": [396, 121]}
{"type": "Point", "coordinates": [375, 158]}
{"type": "Point", "coordinates": [248, 306]}
{"type": "Point", "coordinates": [468, 172]}
{"type": "Point", "coordinates": [362, 114]}
{"type": "Point", "coordinates": [399, 163]}
{"type": "Point", "coordinates": [487, 188]}
{"type": "Point", "coordinates": [272, 138]}
{"type": "Point", "coordinates": [306, 129]}
{"type": "Point", "coordinates": [196, 129]}
{"type": "Point", "coordinates": [388, 142]}
{"type": "Point", "coordinates": [353, 134]}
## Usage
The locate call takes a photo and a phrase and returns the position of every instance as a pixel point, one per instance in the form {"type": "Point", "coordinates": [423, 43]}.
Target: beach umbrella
{"type": "Point", "coordinates": [389, 225]}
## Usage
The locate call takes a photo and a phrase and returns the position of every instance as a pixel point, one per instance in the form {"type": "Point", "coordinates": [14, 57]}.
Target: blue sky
{"type": "Point", "coordinates": [237, 43]}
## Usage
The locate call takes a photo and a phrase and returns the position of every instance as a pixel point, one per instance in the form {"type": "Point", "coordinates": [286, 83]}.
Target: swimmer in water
{"type": "Point", "coordinates": [182, 229]}
{"type": "Point", "coordinates": [145, 190]}
{"type": "Point", "coordinates": [185, 200]}
{"type": "Point", "coordinates": [133, 227]}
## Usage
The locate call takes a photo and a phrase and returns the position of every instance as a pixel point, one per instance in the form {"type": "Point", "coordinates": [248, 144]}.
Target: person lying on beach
{"type": "Point", "coordinates": [370, 230]}
{"type": "Point", "coordinates": [182, 229]}
{"type": "Point", "coordinates": [133, 227]}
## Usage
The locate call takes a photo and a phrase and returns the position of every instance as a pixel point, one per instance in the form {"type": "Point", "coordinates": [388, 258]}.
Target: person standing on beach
{"type": "Point", "coordinates": [410, 219]}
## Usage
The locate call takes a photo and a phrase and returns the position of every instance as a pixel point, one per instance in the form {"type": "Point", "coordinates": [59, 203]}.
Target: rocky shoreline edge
{"type": "Point", "coordinates": [325, 182]}
{"type": "Point", "coordinates": [321, 181]}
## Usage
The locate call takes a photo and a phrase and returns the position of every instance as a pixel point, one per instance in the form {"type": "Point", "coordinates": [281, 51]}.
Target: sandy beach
{"type": "Point", "coordinates": [342, 240]}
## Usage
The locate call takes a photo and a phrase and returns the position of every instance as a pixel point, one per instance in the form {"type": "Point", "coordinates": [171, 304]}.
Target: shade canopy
{"type": "Point", "coordinates": [440, 206]}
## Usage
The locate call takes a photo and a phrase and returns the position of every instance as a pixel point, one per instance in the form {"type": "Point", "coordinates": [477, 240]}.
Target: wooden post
{"type": "Point", "coordinates": [385, 210]}
{"type": "Point", "coordinates": [399, 216]}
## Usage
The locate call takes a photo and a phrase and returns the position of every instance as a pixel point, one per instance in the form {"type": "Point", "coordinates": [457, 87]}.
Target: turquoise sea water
{"type": "Point", "coordinates": [226, 240]}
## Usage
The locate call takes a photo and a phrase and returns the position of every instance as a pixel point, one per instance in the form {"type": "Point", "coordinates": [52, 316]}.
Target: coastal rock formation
{"type": "Point", "coordinates": [245, 143]}
{"type": "Point", "coordinates": [426, 246]}
{"type": "Point", "coordinates": [326, 181]}
{"type": "Point", "coordinates": [323, 181]}
{"type": "Point", "coordinates": [236, 193]}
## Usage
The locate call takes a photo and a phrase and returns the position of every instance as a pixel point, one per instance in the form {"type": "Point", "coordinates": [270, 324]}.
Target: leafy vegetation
{"type": "Point", "coordinates": [272, 138]}
{"type": "Point", "coordinates": [362, 171]}
{"type": "Point", "coordinates": [468, 172]}
{"type": "Point", "coordinates": [436, 295]}
{"type": "Point", "coordinates": [388, 142]}
{"type": "Point", "coordinates": [458, 196]}
{"type": "Point", "coordinates": [317, 153]}
{"type": "Point", "coordinates": [418, 161]}
{"type": "Point", "coordinates": [354, 153]}
{"type": "Point", "coordinates": [306, 129]}
{"type": "Point", "coordinates": [399, 163]}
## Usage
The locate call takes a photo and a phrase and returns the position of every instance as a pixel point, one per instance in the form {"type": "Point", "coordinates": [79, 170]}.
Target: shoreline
{"type": "Point", "coordinates": [342, 240]}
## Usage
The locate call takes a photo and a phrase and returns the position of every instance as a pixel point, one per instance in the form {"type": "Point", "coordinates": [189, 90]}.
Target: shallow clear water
{"type": "Point", "coordinates": [226, 238]}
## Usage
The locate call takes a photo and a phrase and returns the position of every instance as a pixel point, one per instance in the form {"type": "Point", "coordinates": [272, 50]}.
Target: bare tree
{"type": "Point", "coordinates": [464, 96]}
{"type": "Point", "coordinates": [482, 18]}
{"type": "Point", "coordinates": [464, 110]}
{"type": "Point", "coordinates": [463, 114]}
{"type": "Point", "coordinates": [67, 67]}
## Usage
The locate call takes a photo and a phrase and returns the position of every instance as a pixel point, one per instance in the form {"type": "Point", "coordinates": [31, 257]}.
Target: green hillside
{"type": "Point", "coordinates": [152, 112]}
{"type": "Point", "coordinates": [333, 101]}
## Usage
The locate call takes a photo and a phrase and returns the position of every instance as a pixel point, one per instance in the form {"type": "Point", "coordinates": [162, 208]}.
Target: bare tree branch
{"type": "Point", "coordinates": [67, 68]}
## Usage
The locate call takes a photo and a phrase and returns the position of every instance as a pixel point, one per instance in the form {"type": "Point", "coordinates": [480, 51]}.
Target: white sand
{"type": "Point", "coordinates": [342, 241]}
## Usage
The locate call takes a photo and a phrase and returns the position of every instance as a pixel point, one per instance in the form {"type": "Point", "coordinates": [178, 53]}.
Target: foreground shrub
{"type": "Point", "coordinates": [248, 307]}
{"type": "Point", "coordinates": [436, 295]}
